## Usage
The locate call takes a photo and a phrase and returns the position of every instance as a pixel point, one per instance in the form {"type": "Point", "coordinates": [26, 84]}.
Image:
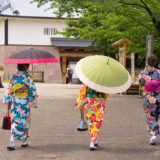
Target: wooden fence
{"type": "Point", "coordinates": [38, 76]}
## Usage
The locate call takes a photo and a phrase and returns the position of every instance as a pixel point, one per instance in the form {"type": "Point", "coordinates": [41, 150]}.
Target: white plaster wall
{"type": "Point", "coordinates": [31, 31]}
{"type": "Point", "coordinates": [1, 32]}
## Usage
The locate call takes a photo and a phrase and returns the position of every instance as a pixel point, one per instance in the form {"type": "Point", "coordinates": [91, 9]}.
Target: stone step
{"type": "Point", "coordinates": [134, 89]}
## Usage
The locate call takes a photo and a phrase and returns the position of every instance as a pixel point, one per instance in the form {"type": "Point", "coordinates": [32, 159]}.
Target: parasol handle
{"type": "Point", "coordinates": [107, 61]}
{"type": "Point", "coordinates": [82, 115]}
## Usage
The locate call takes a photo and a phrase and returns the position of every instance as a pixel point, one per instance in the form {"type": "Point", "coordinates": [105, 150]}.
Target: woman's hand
{"type": "Point", "coordinates": [33, 106]}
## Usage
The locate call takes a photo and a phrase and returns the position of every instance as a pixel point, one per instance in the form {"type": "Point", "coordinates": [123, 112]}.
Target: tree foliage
{"type": "Point", "coordinates": [106, 21]}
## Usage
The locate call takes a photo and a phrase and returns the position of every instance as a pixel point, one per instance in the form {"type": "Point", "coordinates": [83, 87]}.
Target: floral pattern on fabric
{"type": "Point", "coordinates": [152, 86]}
{"type": "Point", "coordinates": [151, 100]}
{"type": "Point", "coordinates": [94, 109]}
{"type": "Point", "coordinates": [82, 93]}
{"type": "Point", "coordinates": [20, 106]}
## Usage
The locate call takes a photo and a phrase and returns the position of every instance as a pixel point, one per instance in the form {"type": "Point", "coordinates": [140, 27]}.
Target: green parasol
{"type": "Point", "coordinates": [103, 74]}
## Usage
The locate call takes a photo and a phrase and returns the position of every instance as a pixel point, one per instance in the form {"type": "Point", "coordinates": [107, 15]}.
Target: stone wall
{"type": "Point", "coordinates": [52, 71]}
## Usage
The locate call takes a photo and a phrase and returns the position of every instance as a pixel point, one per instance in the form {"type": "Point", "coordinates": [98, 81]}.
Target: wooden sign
{"type": "Point", "coordinates": [122, 44]}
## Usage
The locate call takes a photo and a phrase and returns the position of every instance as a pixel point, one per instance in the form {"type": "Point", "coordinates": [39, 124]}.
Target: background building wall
{"type": "Point", "coordinates": [52, 71]}
{"type": "Point", "coordinates": [1, 32]}
{"type": "Point", "coordinates": [31, 31]}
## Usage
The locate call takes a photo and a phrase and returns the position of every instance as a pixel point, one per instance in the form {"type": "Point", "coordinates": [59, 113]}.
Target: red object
{"type": "Point", "coordinates": [7, 121]}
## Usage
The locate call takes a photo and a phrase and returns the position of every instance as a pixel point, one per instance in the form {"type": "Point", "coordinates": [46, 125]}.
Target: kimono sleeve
{"type": "Point", "coordinates": [32, 94]}
{"type": "Point", "coordinates": [82, 93]}
{"type": "Point", "coordinates": [158, 72]}
{"type": "Point", "coordinates": [142, 79]}
{"type": "Point", "coordinates": [8, 94]}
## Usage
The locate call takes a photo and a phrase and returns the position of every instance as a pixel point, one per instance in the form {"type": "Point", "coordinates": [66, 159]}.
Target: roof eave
{"type": "Point", "coordinates": [121, 42]}
{"type": "Point", "coordinates": [36, 17]}
{"type": "Point", "coordinates": [64, 42]}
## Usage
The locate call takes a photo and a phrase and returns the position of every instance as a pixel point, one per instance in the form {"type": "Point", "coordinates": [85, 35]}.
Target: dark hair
{"type": "Point", "coordinates": [151, 60]}
{"type": "Point", "coordinates": [22, 67]}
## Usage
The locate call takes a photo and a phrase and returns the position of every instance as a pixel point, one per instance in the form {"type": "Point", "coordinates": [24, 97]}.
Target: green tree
{"type": "Point", "coordinates": [106, 21]}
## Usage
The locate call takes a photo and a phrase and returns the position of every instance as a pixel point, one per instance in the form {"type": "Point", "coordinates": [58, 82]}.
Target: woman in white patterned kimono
{"type": "Point", "coordinates": [21, 95]}
{"type": "Point", "coordinates": [150, 79]}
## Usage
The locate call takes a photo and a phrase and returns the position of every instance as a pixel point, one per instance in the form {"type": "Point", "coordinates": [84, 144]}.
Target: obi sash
{"type": "Point", "coordinates": [20, 90]}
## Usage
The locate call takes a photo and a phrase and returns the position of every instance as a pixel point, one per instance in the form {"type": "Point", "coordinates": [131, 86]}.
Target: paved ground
{"type": "Point", "coordinates": [54, 134]}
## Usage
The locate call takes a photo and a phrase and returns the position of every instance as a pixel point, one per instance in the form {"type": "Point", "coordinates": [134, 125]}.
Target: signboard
{"type": "Point", "coordinates": [121, 56]}
{"type": "Point", "coordinates": [37, 76]}
{"type": "Point", "coordinates": [122, 44]}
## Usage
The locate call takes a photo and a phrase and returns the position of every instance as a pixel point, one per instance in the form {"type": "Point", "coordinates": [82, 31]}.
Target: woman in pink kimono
{"type": "Point", "coordinates": [93, 104]}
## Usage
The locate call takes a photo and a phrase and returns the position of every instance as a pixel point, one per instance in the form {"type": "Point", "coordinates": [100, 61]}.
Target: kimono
{"type": "Point", "coordinates": [21, 94]}
{"type": "Point", "coordinates": [93, 104]}
{"type": "Point", "coordinates": [151, 100]}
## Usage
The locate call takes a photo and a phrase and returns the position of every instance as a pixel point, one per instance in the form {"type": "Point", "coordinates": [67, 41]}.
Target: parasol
{"type": "Point", "coordinates": [103, 74]}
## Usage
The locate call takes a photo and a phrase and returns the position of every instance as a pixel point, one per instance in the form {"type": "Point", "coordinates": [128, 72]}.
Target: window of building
{"type": "Point", "coordinates": [50, 31]}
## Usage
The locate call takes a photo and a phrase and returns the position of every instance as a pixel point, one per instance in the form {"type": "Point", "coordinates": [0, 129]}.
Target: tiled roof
{"type": "Point", "coordinates": [63, 42]}
{"type": "Point", "coordinates": [25, 8]}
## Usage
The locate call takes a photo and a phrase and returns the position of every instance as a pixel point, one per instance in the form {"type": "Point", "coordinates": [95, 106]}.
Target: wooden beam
{"type": "Point", "coordinates": [72, 48]}
{"type": "Point", "coordinates": [64, 65]}
{"type": "Point", "coordinates": [76, 54]}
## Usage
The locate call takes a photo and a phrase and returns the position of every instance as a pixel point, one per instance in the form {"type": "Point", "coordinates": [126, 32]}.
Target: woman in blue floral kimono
{"type": "Point", "coordinates": [21, 95]}
{"type": "Point", "coordinates": [150, 79]}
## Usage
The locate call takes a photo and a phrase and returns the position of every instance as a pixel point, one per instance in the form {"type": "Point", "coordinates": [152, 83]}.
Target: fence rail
{"type": "Point", "coordinates": [38, 76]}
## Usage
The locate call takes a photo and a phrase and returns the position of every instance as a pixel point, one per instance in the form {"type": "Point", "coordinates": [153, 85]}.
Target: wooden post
{"type": "Point", "coordinates": [1, 85]}
{"type": "Point", "coordinates": [125, 52]}
{"type": "Point", "coordinates": [133, 67]}
{"type": "Point", "coordinates": [64, 65]}
{"type": "Point", "coordinates": [1, 75]}
{"type": "Point", "coordinates": [122, 55]}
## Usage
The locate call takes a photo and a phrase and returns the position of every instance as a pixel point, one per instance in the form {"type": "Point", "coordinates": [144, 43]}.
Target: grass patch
{"type": "Point", "coordinates": [5, 81]}
{"type": "Point", "coordinates": [8, 81]}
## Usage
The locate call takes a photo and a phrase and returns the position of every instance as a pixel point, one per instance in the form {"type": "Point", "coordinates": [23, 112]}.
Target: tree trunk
{"type": "Point", "coordinates": [158, 28]}
{"type": "Point", "coordinates": [149, 45]}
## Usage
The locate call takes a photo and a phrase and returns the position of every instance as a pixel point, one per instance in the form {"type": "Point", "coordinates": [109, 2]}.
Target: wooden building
{"type": "Point", "coordinates": [71, 50]}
